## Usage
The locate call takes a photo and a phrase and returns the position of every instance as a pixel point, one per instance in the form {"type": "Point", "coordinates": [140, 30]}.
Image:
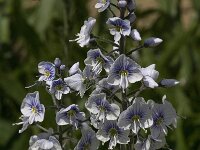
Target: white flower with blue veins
{"type": "Point", "coordinates": [136, 116]}
{"type": "Point", "coordinates": [44, 141]}
{"type": "Point", "coordinates": [150, 75]}
{"type": "Point", "coordinates": [32, 108]}
{"type": "Point", "coordinates": [58, 88]}
{"type": "Point", "coordinates": [88, 140]}
{"type": "Point", "coordinates": [163, 115]}
{"type": "Point", "coordinates": [102, 5]}
{"type": "Point", "coordinates": [84, 35]}
{"type": "Point", "coordinates": [47, 71]}
{"type": "Point", "coordinates": [76, 82]}
{"type": "Point", "coordinates": [149, 143]}
{"type": "Point", "coordinates": [111, 131]}
{"type": "Point", "coordinates": [70, 115]}
{"type": "Point", "coordinates": [97, 60]}
{"type": "Point", "coordinates": [99, 106]}
{"type": "Point", "coordinates": [119, 27]}
{"type": "Point", "coordinates": [124, 71]}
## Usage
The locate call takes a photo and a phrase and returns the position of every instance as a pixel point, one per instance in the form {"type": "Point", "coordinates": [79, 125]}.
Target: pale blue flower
{"type": "Point", "coordinates": [47, 71]}
{"type": "Point", "coordinates": [157, 143]}
{"type": "Point", "coordinates": [119, 27]}
{"type": "Point", "coordinates": [102, 5]}
{"type": "Point", "coordinates": [58, 87]}
{"type": "Point", "coordinates": [97, 60]}
{"type": "Point", "coordinates": [76, 82]}
{"type": "Point", "coordinates": [111, 131]}
{"type": "Point", "coordinates": [136, 116]}
{"type": "Point", "coordinates": [32, 108]}
{"type": "Point", "coordinates": [88, 140]}
{"type": "Point", "coordinates": [163, 115]}
{"type": "Point", "coordinates": [149, 143]}
{"type": "Point", "coordinates": [150, 75]}
{"type": "Point", "coordinates": [79, 80]}
{"type": "Point", "coordinates": [84, 35]}
{"type": "Point", "coordinates": [44, 141]}
{"type": "Point", "coordinates": [124, 71]}
{"type": "Point", "coordinates": [98, 105]}
{"type": "Point", "coordinates": [70, 115]}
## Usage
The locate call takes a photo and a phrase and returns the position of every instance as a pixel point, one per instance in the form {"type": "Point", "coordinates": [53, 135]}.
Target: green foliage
{"type": "Point", "coordinates": [32, 31]}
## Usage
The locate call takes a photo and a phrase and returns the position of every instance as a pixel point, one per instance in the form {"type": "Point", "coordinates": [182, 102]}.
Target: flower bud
{"type": "Point", "coordinates": [62, 67]}
{"type": "Point", "coordinates": [135, 35]}
{"type": "Point", "coordinates": [122, 3]}
{"type": "Point", "coordinates": [152, 42]}
{"type": "Point", "coordinates": [131, 5]}
{"type": "Point", "coordinates": [57, 62]}
{"type": "Point", "coordinates": [169, 82]}
{"type": "Point", "coordinates": [131, 17]}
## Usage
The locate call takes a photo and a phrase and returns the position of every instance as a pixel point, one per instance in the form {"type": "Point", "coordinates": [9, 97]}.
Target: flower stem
{"type": "Point", "coordinates": [136, 49]}
{"type": "Point", "coordinates": [109, 8]}
{"type": "Point", "coordinates": [42, 128]}
{"type": "Point", "coordinates": [105, 40]}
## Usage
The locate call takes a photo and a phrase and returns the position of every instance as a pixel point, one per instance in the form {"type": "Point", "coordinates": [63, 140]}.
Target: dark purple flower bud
{"type": "Point", "coordinates": [152, 42]}
{"type": "Point", "coordinates": [62, 67]}
{"type": "Point", "coordinates": [131, 5]}
{"type": "Point", "coordinates": [122, 3]}
{"type": "Point", "coordinates": [131, 17]}
{"type": "Point", "coordinates": [57, 62]}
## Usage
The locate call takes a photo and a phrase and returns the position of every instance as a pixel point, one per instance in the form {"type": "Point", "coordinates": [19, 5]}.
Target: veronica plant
{"type": "Point", "coordinates": [115, 112]}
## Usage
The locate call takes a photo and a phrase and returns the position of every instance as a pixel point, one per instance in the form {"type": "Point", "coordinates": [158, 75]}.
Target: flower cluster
{"type": "Point", "coordinates": [116, 114]}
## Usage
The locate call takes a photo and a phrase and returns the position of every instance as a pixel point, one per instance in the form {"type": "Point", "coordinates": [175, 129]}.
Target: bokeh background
{"type": "Point", "coordinates": [35, 30]}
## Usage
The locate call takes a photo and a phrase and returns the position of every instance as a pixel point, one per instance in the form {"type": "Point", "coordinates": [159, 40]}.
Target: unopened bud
{"type": "Point", "coordinates": [152, 42]}
{"type": "Point", "coordinates": [131, 17]}
{"type": "Point", "coordinates": [57, 62]}
{"type": "Point", "coordinates": [62, 67]}
{"type": "Point", "coordinates": [135, 35]}
{"type": "Point", "coordinates": [131, 5]}
{"type": "Point", "coordinates": [169, 82]}
{"type": "Point", "coordinates": [122, 3]}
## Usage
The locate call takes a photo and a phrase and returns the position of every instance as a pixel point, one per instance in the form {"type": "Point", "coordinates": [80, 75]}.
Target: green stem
{"type": "Point", "coordinates": [136, 49]}
{"type": "Point", "coordinates": [105, 40]}
{"type": "Point", "coordinates": [42, 128]}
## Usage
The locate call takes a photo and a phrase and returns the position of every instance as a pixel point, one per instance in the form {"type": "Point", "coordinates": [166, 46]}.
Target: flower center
{"type": "Point", "coordinates": [104, 1]}
{"type": "Point", "coordinates": [47, 73]}
{"type": "Point", "coordinates": [159, 121]}
{"type": "Point", "coordinates": [124, 72]}
{"type": "Point", "coordinates": [71, 113]}
{"type": "Point", "coordinates": [99, 60]}
{"type": "Point", "coordinates": [34, 109]}
{"type": "Point", "coordinates": [135, 118]}
{"type": "Point", "coordinates": [59, 87]}
{"type": "Point", "coordinates": [101, 108]}
{"type": "Point", "coordinates": [113, 132]}
{"type": "Point", "coordinates": [86, 146]}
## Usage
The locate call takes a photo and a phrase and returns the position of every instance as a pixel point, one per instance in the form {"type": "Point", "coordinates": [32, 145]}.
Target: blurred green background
{"type": "Point", "coordinates": [35, 30]}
